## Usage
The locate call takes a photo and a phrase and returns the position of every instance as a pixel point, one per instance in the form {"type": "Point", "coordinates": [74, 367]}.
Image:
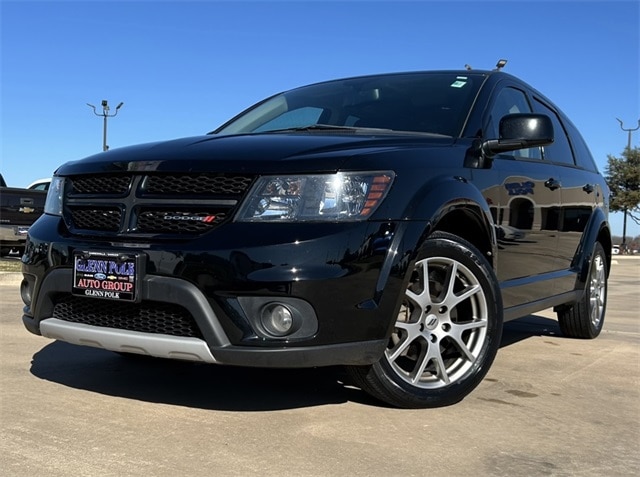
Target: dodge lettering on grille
{"type": "Point", "coordinates": [206, 219]}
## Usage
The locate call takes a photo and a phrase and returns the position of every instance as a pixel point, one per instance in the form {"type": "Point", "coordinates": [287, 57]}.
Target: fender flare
{"type": "Point", "coordinates": [444, 195]}
{"type": "Point", "coordinates": [596, 230]}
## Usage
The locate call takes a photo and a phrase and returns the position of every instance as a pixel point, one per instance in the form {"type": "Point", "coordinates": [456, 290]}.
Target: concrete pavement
{"type": "Point", "coordinates": [549, 406]}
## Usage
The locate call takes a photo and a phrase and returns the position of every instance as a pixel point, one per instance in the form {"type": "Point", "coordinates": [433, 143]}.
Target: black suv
{"type": "Point", "coordinates": [389, 223]}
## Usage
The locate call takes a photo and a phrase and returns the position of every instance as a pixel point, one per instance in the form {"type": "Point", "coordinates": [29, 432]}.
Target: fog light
{"type": "Point", "coordinates": [277, 319]}
{"type": "Point", "coordinates": [26, 290]}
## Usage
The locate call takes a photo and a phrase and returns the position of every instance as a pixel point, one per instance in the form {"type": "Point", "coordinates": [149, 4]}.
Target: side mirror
{"type": "Point", "coordinates": [520, 131]}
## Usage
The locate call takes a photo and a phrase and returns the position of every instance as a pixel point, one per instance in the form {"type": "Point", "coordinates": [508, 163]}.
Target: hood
{"type": "Point", "coordinates": [251, 153]}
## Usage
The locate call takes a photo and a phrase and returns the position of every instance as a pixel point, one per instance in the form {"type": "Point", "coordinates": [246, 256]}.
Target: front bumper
{"type": "Point", "coordinates": [213, 347]}
{"type": "Point", "coordinates": [350, 277]}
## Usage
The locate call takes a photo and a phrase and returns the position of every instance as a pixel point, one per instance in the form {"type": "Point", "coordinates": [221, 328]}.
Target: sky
{"type": "Point", "coordinates": [182, 68]}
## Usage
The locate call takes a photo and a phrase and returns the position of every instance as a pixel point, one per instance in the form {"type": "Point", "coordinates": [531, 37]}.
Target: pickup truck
{"type": "Point", "coordinates": [19, 208]}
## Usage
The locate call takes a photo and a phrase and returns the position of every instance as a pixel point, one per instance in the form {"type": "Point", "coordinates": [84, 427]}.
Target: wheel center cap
{"type": "Point", "coordinates": [431, 322]}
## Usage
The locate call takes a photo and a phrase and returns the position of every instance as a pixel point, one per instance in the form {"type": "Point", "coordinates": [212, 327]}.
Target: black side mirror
{"type": "Point", "coordinates": [520, 131]}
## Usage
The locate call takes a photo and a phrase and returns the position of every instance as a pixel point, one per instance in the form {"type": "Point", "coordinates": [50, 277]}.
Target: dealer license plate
{"type": "Point", "coordinates": [108, 275]}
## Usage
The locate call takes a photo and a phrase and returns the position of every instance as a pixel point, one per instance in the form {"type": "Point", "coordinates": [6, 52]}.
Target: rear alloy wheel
{"type": "Point", "coordinates": [586, 317]}
{"type": "Point", "coordinates": [447, 331]}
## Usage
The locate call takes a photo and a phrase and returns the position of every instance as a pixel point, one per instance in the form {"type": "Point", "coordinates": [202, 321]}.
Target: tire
{"type": "Point", "coordinates": [586, 317]}
{"type": "Point", "coordinates": [447, 331]}
{"type": "Point", "coordinates": [5, 251]}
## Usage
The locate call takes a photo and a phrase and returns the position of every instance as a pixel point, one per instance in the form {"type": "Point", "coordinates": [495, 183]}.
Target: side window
{"type": "Point", "coordinates": [510, 101]}
{"type": "Point", "coordinates": [560, 151]}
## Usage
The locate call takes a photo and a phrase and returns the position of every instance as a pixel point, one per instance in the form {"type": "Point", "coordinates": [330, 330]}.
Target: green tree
{"type": "Point", "coordinates": [623, 177]}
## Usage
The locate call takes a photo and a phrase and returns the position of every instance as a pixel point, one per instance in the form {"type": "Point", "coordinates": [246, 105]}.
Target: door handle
{"type": "Point", "coordinates": [552, 184]}
{"type": "Point", "coordinates": [588, 188]}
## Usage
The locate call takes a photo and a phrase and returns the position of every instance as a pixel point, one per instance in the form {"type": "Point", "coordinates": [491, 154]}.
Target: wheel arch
{"type": "Point", "coordinates": [466, 222]}
{"type": "Point", "coordinates": [597, 230]}
{"type": "Point", "coordinates": [454, 205]}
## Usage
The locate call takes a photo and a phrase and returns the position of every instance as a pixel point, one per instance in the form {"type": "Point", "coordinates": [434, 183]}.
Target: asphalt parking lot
{"type": "Point", "coordinates": [550, 406]}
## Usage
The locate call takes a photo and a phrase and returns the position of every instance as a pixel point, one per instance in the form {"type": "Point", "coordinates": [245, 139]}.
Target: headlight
{"type": "Point", "coordinates": [327, 197]}
{"type": "Point", "coordinates": [53, 204]}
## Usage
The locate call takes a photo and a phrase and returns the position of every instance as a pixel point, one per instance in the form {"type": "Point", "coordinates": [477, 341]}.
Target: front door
{"type": "Point", "coordinates": [526, 206]}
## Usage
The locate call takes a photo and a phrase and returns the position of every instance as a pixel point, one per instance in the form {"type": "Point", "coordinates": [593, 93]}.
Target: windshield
{"type": "Point", "coordinates": [435, 103]}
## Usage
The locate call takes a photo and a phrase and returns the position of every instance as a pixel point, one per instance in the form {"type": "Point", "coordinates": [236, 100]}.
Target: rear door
{"type": "Point", "coordinates": [580, 184]}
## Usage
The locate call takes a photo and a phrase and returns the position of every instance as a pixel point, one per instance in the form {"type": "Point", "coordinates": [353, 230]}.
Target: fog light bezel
{"type": "Point", "coordinates": [27, 286]}
{"type": "Point", "coordinates": [305, 320]}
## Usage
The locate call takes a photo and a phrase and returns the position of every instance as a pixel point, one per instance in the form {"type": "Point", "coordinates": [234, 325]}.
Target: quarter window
{"type": "Point", "coordinates": [583, 156]}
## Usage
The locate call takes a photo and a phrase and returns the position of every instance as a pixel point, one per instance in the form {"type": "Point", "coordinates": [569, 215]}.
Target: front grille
{"type": "Point", "coordinates": [100, 218]}
{"type": "Point", "coordinates": [152, 203]}
{"type": "Point", "coordinates": [196, 184]}
{"type": "Point", "coordinates": [100, 185]}
{"type": "Point", "coordinates": [146, 317]}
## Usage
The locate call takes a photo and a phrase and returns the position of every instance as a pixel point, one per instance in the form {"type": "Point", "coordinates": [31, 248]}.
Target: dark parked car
{"type": "Point", "coordinates": [388, 223]}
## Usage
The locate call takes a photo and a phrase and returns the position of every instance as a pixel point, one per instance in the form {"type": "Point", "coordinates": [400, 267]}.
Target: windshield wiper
{"type": "Point", "coordinates": [316, 127]}
{"type": "Point", "coordinates": [351, 129]}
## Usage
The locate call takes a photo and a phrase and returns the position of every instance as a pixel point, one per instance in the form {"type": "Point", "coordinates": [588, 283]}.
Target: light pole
{"type": "Point", "coordinates": [629, 130]}
{"type": "Point", "coordinates": [105, 114]}
{"type": "Point", "coordinates": [624, 219]}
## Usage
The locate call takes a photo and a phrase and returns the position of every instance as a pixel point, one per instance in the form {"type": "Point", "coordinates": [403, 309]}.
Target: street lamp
{"type": "Point", "coordinates": [629, 131]}
{"type": "Point", "coordinates": [105, 114]}
{"type": "Point", "coordinates": [624, 218]}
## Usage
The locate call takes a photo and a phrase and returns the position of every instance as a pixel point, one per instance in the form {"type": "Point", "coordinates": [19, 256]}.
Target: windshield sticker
{"type": "Point", "coordinates": [458, 84]}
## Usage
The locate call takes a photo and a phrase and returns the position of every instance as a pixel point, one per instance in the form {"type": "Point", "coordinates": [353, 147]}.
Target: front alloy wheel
{"type": "Point", "coordinates": [441, 326]}
{"type": "Point", "coordinates": [447, 331]}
